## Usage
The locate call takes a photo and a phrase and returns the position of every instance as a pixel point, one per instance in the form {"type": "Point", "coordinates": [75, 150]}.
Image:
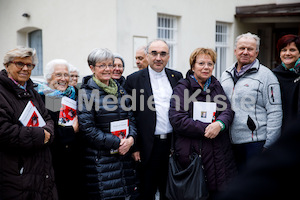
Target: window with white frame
{"type": "Point", "coordinates": [167, 30]}
{"type": "Point", "coordinates": [222, 37]}
{"type": "Point", "coordinates": [36, 42]}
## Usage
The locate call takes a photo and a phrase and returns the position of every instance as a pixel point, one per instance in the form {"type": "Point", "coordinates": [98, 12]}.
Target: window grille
{"type": "Point", "coordinates": [221, 48]}
{"type": "Point", "coordinates": [167, 30]}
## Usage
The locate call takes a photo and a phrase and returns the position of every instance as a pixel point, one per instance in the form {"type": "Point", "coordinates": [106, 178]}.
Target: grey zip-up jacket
{"type": "Point", "coordinates": [256, 100]}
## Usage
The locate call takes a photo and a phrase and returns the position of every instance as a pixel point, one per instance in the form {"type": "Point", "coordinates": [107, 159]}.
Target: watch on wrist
{"type": "Point", "coordinates": [221, 124]}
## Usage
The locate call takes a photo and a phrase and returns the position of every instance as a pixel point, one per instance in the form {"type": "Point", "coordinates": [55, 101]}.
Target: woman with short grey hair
{"type": "Point", "coordinates": [26, 170]}
{"type": "Point", "coordinates": [50, 75]}
{"type": "Point", "coordinates": [66, 145]}
{"type": "Point", "coordinates": [108, 163]}
{"type": "Point", "coordinates": [21, 52]}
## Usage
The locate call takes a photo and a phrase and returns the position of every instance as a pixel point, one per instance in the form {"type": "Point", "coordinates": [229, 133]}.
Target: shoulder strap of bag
{"type": "Point", "coordinates": [173, 145]}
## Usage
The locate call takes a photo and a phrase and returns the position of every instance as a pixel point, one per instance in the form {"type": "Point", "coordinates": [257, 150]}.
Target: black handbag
{"type": "Point", "coordinates": [189, 183]}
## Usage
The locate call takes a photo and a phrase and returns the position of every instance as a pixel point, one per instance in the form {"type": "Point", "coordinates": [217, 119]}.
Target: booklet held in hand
{"type": "Point", "coordinates": [120, 129]}
{"type": "Point", "coordinates": [67, 112]}
{"type": "Point", "coordinates": [31, 117]}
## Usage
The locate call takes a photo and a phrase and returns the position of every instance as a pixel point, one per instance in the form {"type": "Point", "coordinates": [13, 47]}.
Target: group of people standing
{"type": "Point", "coordinates": [88, 160]}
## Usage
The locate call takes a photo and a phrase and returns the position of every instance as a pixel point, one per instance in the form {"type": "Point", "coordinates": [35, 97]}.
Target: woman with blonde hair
{"type": "Point", "coordinates": [217, 157]}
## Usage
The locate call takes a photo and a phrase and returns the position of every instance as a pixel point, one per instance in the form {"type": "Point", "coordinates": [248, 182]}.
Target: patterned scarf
{"type": "Point", "coordinates": [207, 82]}
{"type": "Point", "coordinates": [44, 89]}
{"type": "Point", "coordinates": [111, 88]}
{"type": "Point", "coordinates": [19, 85]}
{"type": "Point", "coordinates": [296, 68]}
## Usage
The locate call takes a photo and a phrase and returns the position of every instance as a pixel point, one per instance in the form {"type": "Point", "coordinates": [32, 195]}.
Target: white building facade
{"type": "Point", "coordinates": [71, 29]}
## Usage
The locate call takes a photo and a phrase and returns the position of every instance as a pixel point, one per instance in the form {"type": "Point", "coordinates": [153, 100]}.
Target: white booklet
{"type": "Point", "coordinates": [204, 111]}
{"type": "Point", "coordinates": [31, 117]}
{"type": "Point", "coordinates": [67, 112]}
{"type": "Point", "coordinates": [120, 129]}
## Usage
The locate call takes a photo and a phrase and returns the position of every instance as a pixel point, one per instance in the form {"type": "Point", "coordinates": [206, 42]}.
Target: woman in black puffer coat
{"type": "Point", "coordinates": [109, 174]}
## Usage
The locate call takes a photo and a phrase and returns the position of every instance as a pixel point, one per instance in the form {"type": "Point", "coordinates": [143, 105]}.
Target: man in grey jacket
{"type": "Point", "coordinates": [254, 93]}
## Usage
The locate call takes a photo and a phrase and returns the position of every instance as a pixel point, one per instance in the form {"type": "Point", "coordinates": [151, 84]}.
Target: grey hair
{"type": "Point", "coordinates": [73, 68]}
{"type": "Point", "coordinates": [144, 48]}
{"type": "Point", "coordinates": [249, 35]}
{"type": "Point", "coordinates": [49, 69]}
{"type": "Point", "coordinates": [20, 52]}
{"type": "Point", "coordinates": [99, 55]}
{"type": "Point", "coordinates": [148, 45]}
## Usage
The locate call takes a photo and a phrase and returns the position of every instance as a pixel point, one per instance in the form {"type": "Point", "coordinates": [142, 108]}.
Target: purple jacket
{"type": "Point", "coordinates": [217, 155]}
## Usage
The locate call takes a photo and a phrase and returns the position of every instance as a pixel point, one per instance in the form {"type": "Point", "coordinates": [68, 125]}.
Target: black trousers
{"type": "Point", "coordinates": [245, 152]}
{"type": "Point", "coordinates": [154, 174]}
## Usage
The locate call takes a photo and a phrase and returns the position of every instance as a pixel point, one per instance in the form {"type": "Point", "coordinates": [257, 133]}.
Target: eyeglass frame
{"type": "Point", "coordinates": [162, 54]}
{"type": "Point", "coordinates": [60, 75]}
{"type": "Point", "coordinates": [104, 66]}
{"type": "Point", "coordinates": [210, 65]}
{"type": "Point", "coordinates": [30, 67]}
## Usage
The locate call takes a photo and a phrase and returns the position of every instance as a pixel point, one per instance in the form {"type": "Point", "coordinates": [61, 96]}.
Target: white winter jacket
{"type": "Point", "coordinates": [255, 96]}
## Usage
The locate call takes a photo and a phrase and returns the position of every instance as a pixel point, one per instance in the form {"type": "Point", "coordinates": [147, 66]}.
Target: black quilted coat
{"type": "Point", "coordinates": [26, 171]}
{"type": "Point", "coordinates": [107, 175]}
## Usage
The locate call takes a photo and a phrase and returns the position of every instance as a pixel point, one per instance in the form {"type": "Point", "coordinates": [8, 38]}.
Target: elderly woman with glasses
{"type": "Point", "coordinates": [26, 170]}
{"type": "Point", "coordinates": [108, 130]}
{"type": "Point", "coordinates": [194, 123]}
{"type": "Point", "coordinates": [66, 145]}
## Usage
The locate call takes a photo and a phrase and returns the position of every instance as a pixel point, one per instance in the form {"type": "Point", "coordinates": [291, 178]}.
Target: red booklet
{"type": "Point", "coordinates": [67, 112]}
{"type": "Point", "coordinates": [120, 129]}
{"type": "Point", "coordinates": [31, 117]}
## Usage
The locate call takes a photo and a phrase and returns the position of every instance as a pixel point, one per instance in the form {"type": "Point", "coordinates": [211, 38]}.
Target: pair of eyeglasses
{"type": "Point", "coordinates": [74, 76]}
{"type": "Point", "coordinates": [155, 53]}
{"type": "Point", "coordinates": [202, 64]}
{"type": "Point", "coordinates": [60, 75]}
{"type": "Point", "coordinates": [104, 66]}
{"type": "Point", "coordinates": [20, 64]}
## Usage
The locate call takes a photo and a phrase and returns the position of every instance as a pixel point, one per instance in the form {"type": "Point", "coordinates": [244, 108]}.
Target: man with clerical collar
{"type": "Point", "coordinates": [154, 83]}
